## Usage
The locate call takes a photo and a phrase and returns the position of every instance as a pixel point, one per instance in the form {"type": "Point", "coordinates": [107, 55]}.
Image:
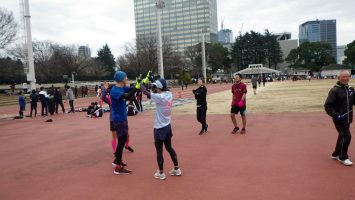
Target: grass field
{"type": "Point", "coordinates": [276, 97]}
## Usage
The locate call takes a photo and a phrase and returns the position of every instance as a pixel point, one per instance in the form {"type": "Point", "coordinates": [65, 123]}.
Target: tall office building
{"type": "Point", "coordinates": [183, 21]}
{"type": "Point", "coordinates": [225, 36]}
{"type": "Point", "coordinates": [320, 31]}
{"type": "Point", "coordinates": [286, 45]}
{"type": "Point", "coordinates": [340, 52]}
{"type": "Point", "coordinates": [84, 51]}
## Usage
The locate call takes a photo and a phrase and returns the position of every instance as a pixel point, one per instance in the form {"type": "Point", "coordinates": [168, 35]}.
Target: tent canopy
{"type": "Point", "coordinates": [257, 71]}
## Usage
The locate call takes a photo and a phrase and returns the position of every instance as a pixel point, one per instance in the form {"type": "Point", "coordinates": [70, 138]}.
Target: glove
{"type": "Point", "coordinates": [145, 80]}
{"type": "Point", "coordinates": [147, 77]}
{"type": "Point", "coordinates": [240, 104]}
{"type": "Point", "coordinates": [138, 85]}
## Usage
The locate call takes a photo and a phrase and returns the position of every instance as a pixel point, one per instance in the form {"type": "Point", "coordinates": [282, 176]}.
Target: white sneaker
{"type": "Point", "coordinates": [175, 172]}
{"type": "Point", "coordinates": [335, 157]}
{"type": "Point", "coordinates": [346, 162]}
{"type": "Point", "coordinates": [159, 175]}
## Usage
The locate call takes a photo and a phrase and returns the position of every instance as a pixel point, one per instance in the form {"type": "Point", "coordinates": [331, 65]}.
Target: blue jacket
{"type": "Point", "coordinates": [118, 104]}
{"type": "Point", "coordinates": [22, 102]}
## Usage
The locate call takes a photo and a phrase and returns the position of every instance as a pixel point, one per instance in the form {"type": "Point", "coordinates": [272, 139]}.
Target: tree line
{"type": "Point", "coordinates": [53, 60]}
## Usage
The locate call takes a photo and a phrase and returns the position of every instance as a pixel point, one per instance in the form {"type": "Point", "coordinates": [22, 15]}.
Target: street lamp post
{"type": "Point", "coordinates": [31, 69]}
{"type": "Point", "coordinates": [72, 77]}
{"type": "Point", "coordinates": [159, 7]}
{"type": "Point", "coordinates": [204, 58]}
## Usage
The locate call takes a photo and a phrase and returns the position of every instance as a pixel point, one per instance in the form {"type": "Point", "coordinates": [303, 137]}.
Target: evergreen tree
{"type": "Point", "coordinates": [350, 53]}
{"type": "Point", "coordinates": [106, 59]}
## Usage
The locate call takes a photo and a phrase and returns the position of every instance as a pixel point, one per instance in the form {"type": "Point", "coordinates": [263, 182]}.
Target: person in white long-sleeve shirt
{"type": "Point", "coordinates": [43, 96]}
{"type": "Point", "coordinates": [163, 134]}
{"type": "Point", "coordinates": [70, 96]}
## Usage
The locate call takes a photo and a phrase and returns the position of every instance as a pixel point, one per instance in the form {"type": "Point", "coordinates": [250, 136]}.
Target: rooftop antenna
{"type": "Point", "coordinates": [241, 29]}
{"type": "Point", "coordinates": [222, 24]}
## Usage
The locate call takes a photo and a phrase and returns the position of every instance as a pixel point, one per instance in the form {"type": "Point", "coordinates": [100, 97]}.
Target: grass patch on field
{"type": "Point", "coordinates": [276, 97]}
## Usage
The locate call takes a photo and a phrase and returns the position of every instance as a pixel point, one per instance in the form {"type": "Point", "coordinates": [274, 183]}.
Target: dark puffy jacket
{"type": "Point", "coordinates": [200, 95]}
{"type": "Point", "coordinates": [340, 101]}
{"type": "Point", "coordinates": [34, 98]}
{"type": "Point", "coordinates": [58, 97]}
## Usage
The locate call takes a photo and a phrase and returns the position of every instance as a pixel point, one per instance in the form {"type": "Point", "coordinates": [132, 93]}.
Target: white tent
{"type": "Point", "coordinates": [256, 70]}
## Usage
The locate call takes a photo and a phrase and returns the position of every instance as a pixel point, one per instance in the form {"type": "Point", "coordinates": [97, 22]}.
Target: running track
{"type": "Point", "coordinates": [282, 157]}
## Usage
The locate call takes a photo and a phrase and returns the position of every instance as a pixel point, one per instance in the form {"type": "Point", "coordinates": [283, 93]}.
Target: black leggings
{"type": "Point", "coordinates": [33, 107]}
{"type": "Point", "coordinates": [159, 147]}
{"type": "Point", "coordinates": [343, 141]}
{"type": "Point", "coordinates": [121, 140]}
{"type": "Point", "coordinates": [201, 115]}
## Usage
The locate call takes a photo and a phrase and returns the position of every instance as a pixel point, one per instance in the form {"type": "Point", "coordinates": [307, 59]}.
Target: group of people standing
{"type": "Point", "coordinates": [50, 101]}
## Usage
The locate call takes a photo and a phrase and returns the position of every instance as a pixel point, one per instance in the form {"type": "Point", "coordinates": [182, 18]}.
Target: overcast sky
{"type": "Point", "coordinates": [96, 22]}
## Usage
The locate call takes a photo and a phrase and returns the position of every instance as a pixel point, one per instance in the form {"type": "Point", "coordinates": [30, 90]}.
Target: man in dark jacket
{"type": "Point", "coordinates": [58, 100]}
{"type": "Point", "coordinates": [339, 105]}
{"type": "Point", "coordinates": [200, 95]}
{"type": "Point", "coordinates": [34, 100]}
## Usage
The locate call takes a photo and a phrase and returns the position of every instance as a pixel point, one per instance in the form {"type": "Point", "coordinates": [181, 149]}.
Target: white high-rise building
{"type": "Point", "coordinates": [182, 21]}
{"type": "Point", "coordinates": [84, 51]}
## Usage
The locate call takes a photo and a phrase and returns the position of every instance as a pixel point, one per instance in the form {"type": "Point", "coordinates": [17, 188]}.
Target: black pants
{"type": "Point", "coordinates": [71, 103]}
{"type": "Point", "coordinates": [57, 103]}
{"type": "Point", "coordinates": [121, 141]}
{"type": "Point", "coordinates": [44, 108]}
{"type": "Point", "coordinates": [201, 115]}
{"type": "Point", "coordinates": [33, 107]}
{"type": "Point", "coordinates": [343, 141]}
{"type": "Point", "coordinates": [159, 148]}
{"type": "Point", "coordinates": [20, 112]}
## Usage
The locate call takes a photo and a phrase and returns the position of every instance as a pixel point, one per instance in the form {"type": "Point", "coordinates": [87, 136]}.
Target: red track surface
{"type": "Point", "coordinates": [283, 156]}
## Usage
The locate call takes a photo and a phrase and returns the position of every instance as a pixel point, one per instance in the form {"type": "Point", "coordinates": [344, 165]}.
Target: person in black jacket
{"type": "Point", "coordinates": [339, 105]}
{"type": "Point", "coordinates": [34, 100]}
{"type": "Point", "coordinates": [58, 100]}
{"type": "Point", "coordinates": [200, 95]}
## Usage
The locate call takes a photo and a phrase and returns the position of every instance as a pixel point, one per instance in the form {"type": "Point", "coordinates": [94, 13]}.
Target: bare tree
{"type": "Point", "coordinates": [142, 57]}
{"type": "Point", "coordinates": [8, 28]}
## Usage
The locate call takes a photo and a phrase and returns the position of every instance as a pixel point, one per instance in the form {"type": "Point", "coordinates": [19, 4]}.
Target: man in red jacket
{"type": "Point", "coordinates": [239, 91]}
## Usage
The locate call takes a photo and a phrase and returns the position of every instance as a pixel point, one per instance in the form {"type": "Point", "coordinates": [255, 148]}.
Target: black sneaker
{"type": "Point", "coordinates": [243, 131]}
{"type": "Point", "coordinates": [114, 163]}
{"type": "Point", "coordinates": [129, 149]}
{"type": "Point", "coordinates": [235, 130]}
{"type": "Point", "coordinates": [121, 170]}
{"type": "Point", "coordinates": [206, 127]}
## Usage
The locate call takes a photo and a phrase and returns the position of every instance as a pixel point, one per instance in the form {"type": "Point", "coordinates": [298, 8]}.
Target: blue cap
{"type": "Point", "coordinates": [119, 76]}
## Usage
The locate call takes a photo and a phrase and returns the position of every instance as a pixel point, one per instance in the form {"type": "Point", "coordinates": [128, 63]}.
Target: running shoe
{"type": "Point", "coordinates": [346, 162]}
{"type": "Point", "coordinates": [206, 127]}
{"type": "Point", "coordinates": [243, 131]}
{"type": "Point", "coordinates": [159, 175]}
{"type": "Point", "coordinates": [129, 149]}
{"type": "Point", "coordinates": [335, 157]}
{"type": "Point", "coordinates": [175, 172]}
{"type": "Point", "coordinates": [235, 130]}
{"type": "Point", "coordinates": [202, 131]}
{"type": "Point", "coordinates": [114, 163]}
{"type": "Point", "coordinates": [121, 170]}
